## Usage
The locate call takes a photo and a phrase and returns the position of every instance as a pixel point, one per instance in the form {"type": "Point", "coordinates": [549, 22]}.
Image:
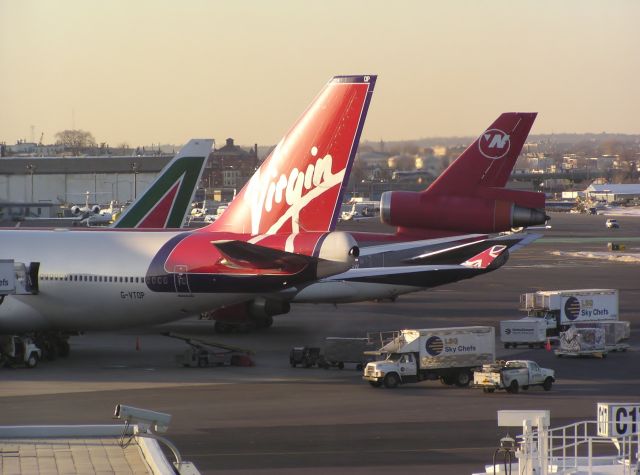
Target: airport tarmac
{"type": "Point", "coordinates": [275, 419]}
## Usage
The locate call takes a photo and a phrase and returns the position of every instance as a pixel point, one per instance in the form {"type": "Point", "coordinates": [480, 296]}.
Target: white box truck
{"type": "Point", "coordinates": [448, 354]}
{"type": "Point", "coordinates": [557, 310]}
{"type": "Point", "coordinates": [565, 307]}
{"type": "Point", "coordinates": [531, 331]}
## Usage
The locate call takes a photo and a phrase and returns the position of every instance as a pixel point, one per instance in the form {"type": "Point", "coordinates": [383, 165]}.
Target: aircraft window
{"type": "Point", "coordinates": [66, 277]}
{"type": "Point", "coordinates": [120, 278]}
{"type": "Point", "coordinates": [99, 278]}
{"type": "Point", "coordinates": [165, 280]}
{"type": "Point", "coordinates": [110, 278]}
{"type": "Point", "coordinates": [153, 280]}
{"type": "Point", "coordinates": [75, 278]}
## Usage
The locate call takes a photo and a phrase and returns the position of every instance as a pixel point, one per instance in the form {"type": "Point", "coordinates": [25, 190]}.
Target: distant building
{"type": "Point", "coordinates": [230, 166]}
{"type": "Point", "coordinates": [613, 192]}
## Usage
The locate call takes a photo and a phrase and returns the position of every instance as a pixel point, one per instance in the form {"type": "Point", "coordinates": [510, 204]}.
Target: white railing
{"type": "Point", "coordinates": [578, 445]}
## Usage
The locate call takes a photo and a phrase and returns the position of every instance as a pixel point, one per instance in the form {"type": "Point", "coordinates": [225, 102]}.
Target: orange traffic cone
{"type": "Point", "coordinates": [547, 346]}
{"type": "Point", "coordinates": [137, 343]}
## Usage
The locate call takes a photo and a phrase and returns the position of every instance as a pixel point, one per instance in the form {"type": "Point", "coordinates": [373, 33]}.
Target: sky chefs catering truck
{"type": "Point", "coordinates": [448, 354]}
{"type": "Point", "coordinates": [557, 310]}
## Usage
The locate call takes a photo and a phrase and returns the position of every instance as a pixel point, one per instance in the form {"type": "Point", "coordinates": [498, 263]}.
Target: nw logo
{"type": "Point", "coordinates": [494, 144]}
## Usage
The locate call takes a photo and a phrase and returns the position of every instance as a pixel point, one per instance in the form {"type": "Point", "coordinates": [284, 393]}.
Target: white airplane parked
{"type": "Point", "coordinates": [274, 235]}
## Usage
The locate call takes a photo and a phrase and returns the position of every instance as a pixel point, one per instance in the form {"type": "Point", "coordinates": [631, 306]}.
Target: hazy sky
{"type": "Point", "coordinates": [154, 71]}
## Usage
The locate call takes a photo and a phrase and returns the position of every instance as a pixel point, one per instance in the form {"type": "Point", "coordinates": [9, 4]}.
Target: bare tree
{"type": "Point", "coordinates": [75, 140]}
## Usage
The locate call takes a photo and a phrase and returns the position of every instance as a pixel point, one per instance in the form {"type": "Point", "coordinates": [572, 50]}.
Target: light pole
{"type": "Point", "coordinates": [31, 169]}
{"type": "Point", "coordinates": [134, 170]}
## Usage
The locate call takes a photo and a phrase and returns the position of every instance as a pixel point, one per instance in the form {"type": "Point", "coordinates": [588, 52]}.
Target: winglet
{"type": "Point", "coordinates": [164, 204]}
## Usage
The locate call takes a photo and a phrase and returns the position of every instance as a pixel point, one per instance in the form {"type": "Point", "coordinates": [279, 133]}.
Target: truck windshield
{"type": "Point", "coordinates": [394, 357]}
{"type": "Point", "coordinates": [516, 364]}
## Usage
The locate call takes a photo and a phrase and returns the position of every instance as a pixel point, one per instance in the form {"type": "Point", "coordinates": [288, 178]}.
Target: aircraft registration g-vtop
{"type": "Point", "coordinates": [154, 277]}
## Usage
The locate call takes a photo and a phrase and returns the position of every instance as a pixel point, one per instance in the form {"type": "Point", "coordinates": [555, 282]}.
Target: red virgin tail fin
{"type": "Point", "coordinates": [299, 186]}
{"type": "Point", "coordinates": [488, 161]}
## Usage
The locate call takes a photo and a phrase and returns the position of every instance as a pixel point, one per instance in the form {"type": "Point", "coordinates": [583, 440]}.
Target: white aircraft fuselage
{"type": "Point", "coordinates": [94, 280]}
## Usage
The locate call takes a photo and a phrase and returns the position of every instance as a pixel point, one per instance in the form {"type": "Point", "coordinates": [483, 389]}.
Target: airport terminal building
{"type": "Point", "coordinates": [67, 180]}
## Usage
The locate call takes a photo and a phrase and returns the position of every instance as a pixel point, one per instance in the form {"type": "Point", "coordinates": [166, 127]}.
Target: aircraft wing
{"type": "Point", "coordinates": [244, 254]}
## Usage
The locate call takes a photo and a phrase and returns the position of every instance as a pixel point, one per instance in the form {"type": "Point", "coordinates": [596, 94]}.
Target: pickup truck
{"type": "Point", "coordinates": [513, 375]}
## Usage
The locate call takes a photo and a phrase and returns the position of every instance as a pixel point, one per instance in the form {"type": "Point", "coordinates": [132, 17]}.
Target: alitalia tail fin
{"type": "Point", "coordinates": [300, 184]}
{"type": "Point", "coordinates": [165, 203]}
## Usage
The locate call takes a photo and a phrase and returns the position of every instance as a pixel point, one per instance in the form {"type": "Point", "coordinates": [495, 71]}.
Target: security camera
{"type": "Point", "coordinates": [158, 421]}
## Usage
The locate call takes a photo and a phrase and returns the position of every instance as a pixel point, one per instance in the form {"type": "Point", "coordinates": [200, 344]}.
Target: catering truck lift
{"type": "Point", "coordinates": [550, 312]}
{"type": "Point", "coordinates": [448, 354]}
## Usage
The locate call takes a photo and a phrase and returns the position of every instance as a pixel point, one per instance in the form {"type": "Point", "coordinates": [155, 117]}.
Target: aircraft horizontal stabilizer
{"type": "Point", "coordinates": [468, 251]}
{"type": "Point", "coordinates": [244, 254]}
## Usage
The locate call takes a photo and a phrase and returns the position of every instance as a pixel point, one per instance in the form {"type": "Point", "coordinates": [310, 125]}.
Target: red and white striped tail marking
{"type": "Point", "coordinates": [485, 258]}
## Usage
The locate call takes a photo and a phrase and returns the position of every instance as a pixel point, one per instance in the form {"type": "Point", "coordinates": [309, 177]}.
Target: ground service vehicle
{"type": "Point", "coordinates": [19, 351]}
{"type": "Point", "coordinates": [448, 354]}
{"type": "Point", "coordinates": [513, 375]}
{"type": "Point", "coordinates": [557, 310]}
{"type": "Point", "coordinates": [612, 224]}
{"type": "Point", "coordinates": [338, 351]}
{"type": "Point", "coordinates": [306, 356]}
{"type": "Point", "coordinates": [582, 342]}
{"type": "Point", "coordinates": [531, 331]}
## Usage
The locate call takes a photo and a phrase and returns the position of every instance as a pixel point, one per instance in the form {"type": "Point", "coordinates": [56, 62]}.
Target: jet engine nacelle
{"type": "Point", "coordinates": [95, 209]}
{"type": "Point", "coordinates": [75, 210]}
{"type": "Point", "coordinates": [338, 253]}
{"type": "Point", "coordinates": [466, 214]}
{"type": "Point", "coordinates": [258, 310]}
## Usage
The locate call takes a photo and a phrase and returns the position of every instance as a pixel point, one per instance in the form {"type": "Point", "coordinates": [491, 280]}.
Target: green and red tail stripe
{"type": "Point", "coordinates": [165, 203]}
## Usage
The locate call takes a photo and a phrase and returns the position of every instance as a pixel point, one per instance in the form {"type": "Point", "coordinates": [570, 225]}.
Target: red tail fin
{"type": "Point", "coordinates": [488, 161]}
{"type": "Point", "coordinates": [299, 186]}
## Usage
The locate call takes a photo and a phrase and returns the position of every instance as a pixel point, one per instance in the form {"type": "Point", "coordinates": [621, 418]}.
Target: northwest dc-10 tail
{"type": "Point", "coordinates": [470, 195]}
{"type": "Point", "coordinates": [276, 233]}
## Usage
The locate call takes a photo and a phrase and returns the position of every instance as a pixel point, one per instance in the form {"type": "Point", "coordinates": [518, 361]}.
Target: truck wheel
{"type": "Point", "coordinates": [391, 381]}
{"type": "Point", "coordinates": [447, 380]}
{"type": "Point", "coordinates": [359, 367]}
{"type": "Point", "coordinates": [340, 365]}
{"type": "Point", "coordinates": [202, 362]}
{"type": "Point", "coordinates": [463, 378]}
{"type": "Point", "coordinates": [547, 384]}
{"type": "Point", "coordinates": [63, 348]}
{"type": "Point", "coordinates": [488, 390]}
{"type": "Point", "coordinates": [32, 361]}
{"type": "Point", "coordinates": [375, 384]}
{"type": "Point", "coordinates": [513, 387]}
